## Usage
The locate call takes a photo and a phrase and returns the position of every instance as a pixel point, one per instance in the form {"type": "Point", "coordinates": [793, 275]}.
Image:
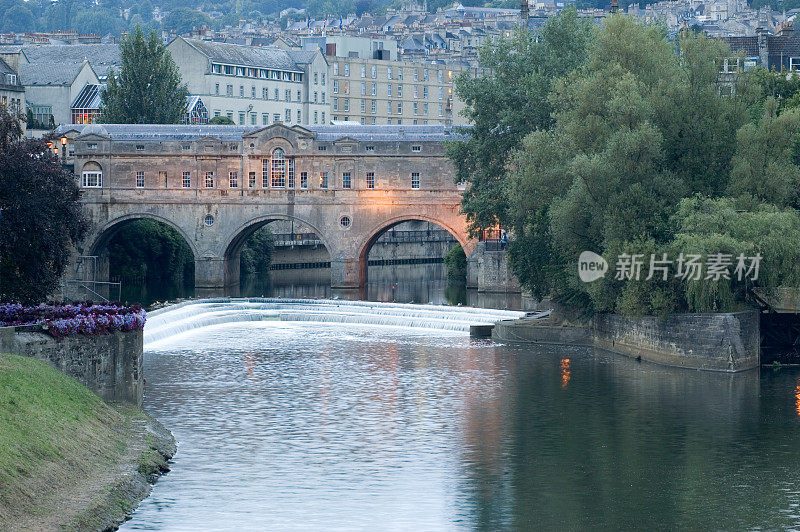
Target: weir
{"type": "Point", "coordinates": [183, 317]}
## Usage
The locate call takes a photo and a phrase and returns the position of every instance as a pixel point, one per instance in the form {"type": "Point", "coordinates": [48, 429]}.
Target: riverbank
{"type": "Point", "coordinates": [67, 459]}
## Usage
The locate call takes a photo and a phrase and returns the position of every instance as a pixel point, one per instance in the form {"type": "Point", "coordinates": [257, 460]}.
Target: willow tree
{"type": "Point", "coordinates": [148, 88]}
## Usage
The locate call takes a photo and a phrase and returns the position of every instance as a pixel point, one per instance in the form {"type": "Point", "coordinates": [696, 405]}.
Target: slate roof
{"type": "Point", "coordinates": [66, 59]}
{"type": "Point", "coordinates": [235, 133]}
{"type": "Point", "coordinates": [248, 56]}
{"type": "Point", "coordinates": [302, 56]}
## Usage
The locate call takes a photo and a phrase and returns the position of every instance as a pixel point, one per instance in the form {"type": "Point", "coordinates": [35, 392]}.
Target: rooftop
{"type": "Point", "coordinates": [248, 56]}
{"type": "Point", "coordinates": [164, 132]}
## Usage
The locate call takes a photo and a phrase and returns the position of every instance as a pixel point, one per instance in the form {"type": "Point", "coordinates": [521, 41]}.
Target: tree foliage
{"type": "Point", "coordinates": [41, 218]}
{"type": "Point", "coordinates": [151, 252]}
{"type": "Point", "coordinates": [256, 254]}
{"type": "Point", "coordinates": [638, 157]}
{"type": "Point", "coordinates": [506, 103]}
{"type": "Point", "coordinates": [148, 88]}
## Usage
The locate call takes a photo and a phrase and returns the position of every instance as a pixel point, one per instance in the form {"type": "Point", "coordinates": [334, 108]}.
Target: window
{"type": "Point", "coordinates": [216, 89]}
{"type": "Point", "coordinates": [316, 117]}
{"type": "Point", "coordinates": [347, 69]}
{"type": "Point", "coordinates": [323, 97]}
{"type": "Point", "coordinates": [425, 75]}
{"type": "Point", "coordinates": [416, 91]}
{"type": "Point", "coordinates": [373, 107]}
{"type": "Point", "coordinates": [288, 115]}
{"type": "Point", "coordinates": [363, 106]}
{"type": "Point", "coordinates": [208, 220]}
{"type": "Point", "coordinates": [425, 108]}
{"type": "Point", "coordinates": [322, 148]}
{"type": "Point", "coordinates": [347, 104]}
{"type": "Point", "coordinates": [139, 179]}
{"type": "Point", "coordinates": [315, 96]}
{"type": "Point", "coordinates": [253, 119]}
{"type": "Point", "coordinates": [287, 95]}
{"type": "Point", "coordinates": [241, 91]}
{"type": "Point", "coordinates": [186, 147]}
{"type": "Point", "coordinates": [399, 73]}
{"type": "Point", "coordinates": [345, 221]}
{"type": "Point", "coordinates": [415, 180]}
{"type": "Point", "coordinates": [241, 118]}
{"type": "Point", "coordinates": [299, 96]}
{"type": "Point", "coordinates": [253, 91]}
{"type": "Point", "coordinates": [290, 173]}
{"type": "Point", "coordinates": [304, 180]}
{"type": "Point", "coordinates": [794, 63]}
{"type": "Point", "coordinates": [265, 93]}
{"type": "Point", "coordinates": [276, 118]}
{"type": "Point", "coordinates": [441, 76]}
{"type": "Point", "coordinates": [323, 79]}
{"type": "Point", "coordinates": [186, 179]}
{"type": "Point", "coordinates": [374, 90]}
{"type": "Point", "coordinates": [251, 180]}
{"type": "Point", "coordinates": [399, 108]}
{"type": "Point", "coordinates": [363, 121]}
{"type": "Point", "coordinates": [346, 180]}
{"type": "Point", "coordinates": [425, 92]}
{"type": "Point", "coordinates": [264, 119]}
{"type": "Point", "coordinates": [374, 72]}
{"type": "Point", "coordinates": [389, 90]}
{"type": "Point", "coordinates": [370, 179]}
{"type": "Point", "coordinates": [389, 72]}
{"type": "Point", "coordinates": [92, 179]}
{"type": "Point", "coordinates": [209, 179]}
{"type": "Point", "coordinates": [335, 87]}
{"type": "Point", "coordinates": [416, 148]}
{"type": "Point", "coordinates": [441, 110]}
{"type": "Point", "coordinates": [335, 72]}
{"type": "Point", "coordinates": [416, 74]}
{"type": "Point", "coordinates": [229, 90]}
{"type": "Point", "coordinates": [277, 95]}
{"type": "Point", "coordinates": [299, 116]}
{"type": "Point", "coordinates": [278, 179]}
{"type": "Point", "coordinates": [140, 147]}
{"type": "Point", "coordinates": [233, 180]}
{"type": "Point", "coordinates": [369, 148]}
{"type": "Point", "coordinates": [316, 78]}
{"type": "Point", "coordinates": [363, 71]}
{"type": "Point", "coordinates": [336, 104]}
{"type": "Point", "coordinates": [363, 88]}
{"type": "Point", "coordinates": [322, 119]}
{"type": "Point", "coordinates": [323, 180]}
{"type": "Point", "coordinates": [416, 108]}
{"type": "Point", "coordinates": [399, 91]}
{"type": "Point", "coordinates": [373, 120]}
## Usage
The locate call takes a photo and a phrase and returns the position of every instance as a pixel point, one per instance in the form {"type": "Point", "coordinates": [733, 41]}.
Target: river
{"type": "Point", "coordinates": [324, 426]}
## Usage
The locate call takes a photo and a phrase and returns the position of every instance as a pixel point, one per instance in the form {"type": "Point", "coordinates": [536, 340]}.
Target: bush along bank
{"type": "Point", "coordinates": [63, 319]}
{"type": "Point", "coordinates": [67, 459]}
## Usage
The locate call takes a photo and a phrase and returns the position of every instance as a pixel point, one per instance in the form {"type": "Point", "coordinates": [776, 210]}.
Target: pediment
{"type": "Point", "coordinates": [345, 140]}
{"type": "Point", "coordinates": [93, 136]}
{"type": "Point", "coordinates": [280, 130]}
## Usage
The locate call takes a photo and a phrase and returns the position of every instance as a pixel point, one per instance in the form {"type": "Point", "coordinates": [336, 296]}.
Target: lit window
{"type": "Point", "coordinates": [303, 180]}
{"type": "Point", "coordinates": [233, 180]}
{"type": "Point", "coordinates": [323, 180]}
{"type": "Point", "coordinates": [370, 179]}
{"type": "Point", "coordinates": [278, 174]}
{"type": "Point", "coordinates": [346, 180]}
{"type": "Point", "coordinates": [416, 148]}
{"type": "Point", "coordinates": [186, 179]}
{"type": "Point", "coordinates": [209, 179]}
{"type": "Point", "coordinates": [251, 180]}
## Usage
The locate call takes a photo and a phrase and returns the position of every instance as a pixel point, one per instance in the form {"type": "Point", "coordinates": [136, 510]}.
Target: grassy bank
{"type": "Point", "coordinates": [67, 459]}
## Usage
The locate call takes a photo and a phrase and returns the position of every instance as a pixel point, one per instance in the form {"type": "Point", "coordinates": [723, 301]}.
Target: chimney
{"type": "Point", "coordinates": [524, 13]}
{"type": "Point", "coordinates": [786, 29]}
{"type": "Point", "coordinates": [614, 6]}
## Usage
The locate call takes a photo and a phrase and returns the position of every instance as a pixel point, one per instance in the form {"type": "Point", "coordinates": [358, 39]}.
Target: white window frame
{"type": "Point", "coordinates": [92, 179]}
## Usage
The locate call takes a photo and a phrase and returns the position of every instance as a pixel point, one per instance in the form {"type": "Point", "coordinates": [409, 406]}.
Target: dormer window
{"type": "Point", "coordinates": [11, 79]}
{"type": "Point", "coordinates": [91, 146]}
{"type": "Point", "coordinates": [369, 148]}
{"type": "Point", "coordinates": [416, 148]}
{"type": "Point", "coordinates": [322, 148]}
{"type": "Point", "coordinates": [140, 147]}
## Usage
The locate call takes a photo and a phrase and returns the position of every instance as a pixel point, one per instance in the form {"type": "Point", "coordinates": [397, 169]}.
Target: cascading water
{"type": "Point", "coordinates": [176, 319]}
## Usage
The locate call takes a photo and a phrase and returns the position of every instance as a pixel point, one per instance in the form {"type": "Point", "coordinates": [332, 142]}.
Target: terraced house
{"type": "Point", "coordinates": [253, 85]}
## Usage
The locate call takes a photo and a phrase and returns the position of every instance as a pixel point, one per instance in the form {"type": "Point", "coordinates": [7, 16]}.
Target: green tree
{"type": "Point", "coordinates": [506, 103]}
{"type": "Point", "coordinates": [19, 19]}
{"type": "Point", "coordinates": [42, 218]}
{"type": "Point", "coordinates": [185, 20]}
{"type": "Point", "coordinates": [256, 254]}
{"type": "Point", "coordinates": [765, 164]}
{"type": "Point", "coordinates": [221, 121]}
{"type": "Point", "coordinates": [97, 20]}
{"type": "Point", "coordinates": [148, 88]}
{"type": "Point", "coordinates": [151, 252]}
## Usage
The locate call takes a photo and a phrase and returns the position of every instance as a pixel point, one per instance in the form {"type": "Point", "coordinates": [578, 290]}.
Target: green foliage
{"type": "Point", "coordinates": [257, 252]}
{"type": "Point", "coordinates": [18, 19]}
{"type": "Point", "coordinates": [148, 88]}
{"type": "Point", "coordinates": [506, 103]}
{"type": "Point", "coordinates": [756, 86]}
{"type": "Point", "coordinates": [151, 252]}
{"type": "Point", "coordinates": [41, 216]}
{"type": "Point", "coordinates": [184, 20]}
{"type": "Point", "coordinates": [221, 121]}
{"type": "Point", "coordinates": [456, 262]}
{"type": "Point", "coordinates": [639, 128]}
{"type": "Point", "coordinates": [765, 164]}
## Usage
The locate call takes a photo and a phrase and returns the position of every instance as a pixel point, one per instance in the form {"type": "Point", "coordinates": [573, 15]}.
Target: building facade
{"type": "Point", "coordinates": [255, 86]}
{"type": "Point", "coordinates": [378, 92]}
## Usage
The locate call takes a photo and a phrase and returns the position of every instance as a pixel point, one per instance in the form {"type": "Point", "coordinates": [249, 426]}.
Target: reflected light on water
{"type": "Point", "coordinates": [797, 398]}
{"type": "Point", "coordinates": [565, 372]}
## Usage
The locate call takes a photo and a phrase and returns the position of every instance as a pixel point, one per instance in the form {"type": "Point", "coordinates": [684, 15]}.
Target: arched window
{"type": "Point", "coordinates": [92, 175]}
{"type": "Point", "coordinates": [278, 168]}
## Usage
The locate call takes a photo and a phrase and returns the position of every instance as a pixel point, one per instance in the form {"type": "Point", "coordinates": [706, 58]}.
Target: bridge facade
{"type": "Point", "coordinates": [217, 185]}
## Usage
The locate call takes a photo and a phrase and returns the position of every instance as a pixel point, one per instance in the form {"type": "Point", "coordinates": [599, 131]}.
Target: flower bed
{"type": "Point", "coordinates": [63, 319]}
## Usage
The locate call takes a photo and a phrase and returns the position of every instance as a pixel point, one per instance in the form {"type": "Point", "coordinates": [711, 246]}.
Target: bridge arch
{"type": "Point", "coordinates": [467, 244]}
{"type": "Point", "coordinates": [101, 237]}
{"type": "Point", "coordinates": [236, 239]}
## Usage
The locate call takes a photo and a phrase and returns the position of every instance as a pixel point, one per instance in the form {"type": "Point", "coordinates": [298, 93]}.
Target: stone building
{"type": "Point", "coordinates": [255, 86]}
{"type": "Point", "coordinates": [12, 93]}
{"type": "Point", "coordinates": [374, 91]}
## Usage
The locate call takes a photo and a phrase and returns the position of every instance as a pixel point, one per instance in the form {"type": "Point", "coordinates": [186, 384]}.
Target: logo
{"type": "Point", "coordinates": [591, 266]}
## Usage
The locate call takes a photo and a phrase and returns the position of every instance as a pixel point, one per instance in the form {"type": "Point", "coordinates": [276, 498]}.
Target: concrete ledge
{"type": "Point", "coordinates": [528, 331]}
{"type": "Point", "coordinates": [110, 365]}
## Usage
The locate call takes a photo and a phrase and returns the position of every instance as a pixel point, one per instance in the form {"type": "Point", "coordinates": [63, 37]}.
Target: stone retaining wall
{"type": "Point", "coordinates": [721, 342]}
{"type": "Point", "coordinates": [109, 365]}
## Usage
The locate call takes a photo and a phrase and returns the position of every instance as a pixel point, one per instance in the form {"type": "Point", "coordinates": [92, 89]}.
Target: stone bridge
{"type": "Point", "coordinates": [216, 185]}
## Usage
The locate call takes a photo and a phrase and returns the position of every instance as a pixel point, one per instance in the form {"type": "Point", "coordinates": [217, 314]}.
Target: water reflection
{"type": "Point", "coordinates": [314, 426]}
